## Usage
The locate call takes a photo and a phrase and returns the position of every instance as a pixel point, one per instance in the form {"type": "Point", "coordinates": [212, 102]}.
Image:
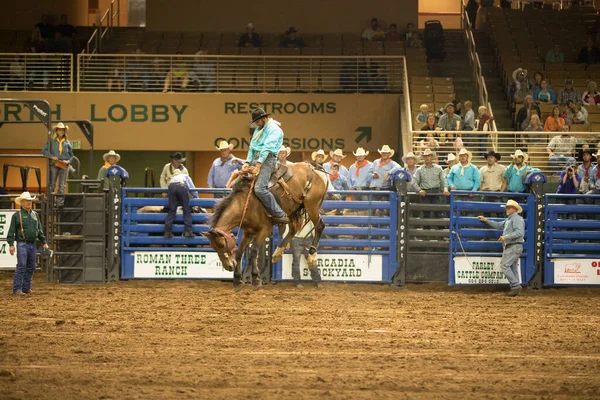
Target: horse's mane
{"type": "Point", "coordinates": [240, 186]}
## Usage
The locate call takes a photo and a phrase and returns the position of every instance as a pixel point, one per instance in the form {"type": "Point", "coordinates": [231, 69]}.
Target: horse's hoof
{"type": "Point", "coordinates": [277, 255]}
{"type": "Point", "coordinates": [311, 260]}
{"type": "Point", "coordinates": [238, 287]}
{"type": "Point", "coordinates": [256, 286]}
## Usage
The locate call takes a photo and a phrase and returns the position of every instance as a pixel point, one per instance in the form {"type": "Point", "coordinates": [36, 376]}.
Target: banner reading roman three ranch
{"type": "Point", "coordinates": [197, 121]}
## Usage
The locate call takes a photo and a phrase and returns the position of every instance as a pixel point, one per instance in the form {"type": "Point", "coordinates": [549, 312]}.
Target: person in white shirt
{"type": "Point", "coordinates": [373, 32]}
{"type": "Point", "coordinates": [336, 158]}
{"type": "Point", "coordinates": [284, 153]}
{"type": "Point", "coordinates": [177, 161]}
{"type": "Point", "coordinates": [492, 174]}
{"type": "Point", "coordinates": [180, 191]}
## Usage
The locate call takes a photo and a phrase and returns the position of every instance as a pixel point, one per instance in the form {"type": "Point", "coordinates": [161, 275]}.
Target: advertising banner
{"type": "Point", "coordinates": [178, 265]}
{"type": "Point", "coordinates": [339, 267]}
{"type": "Point", "coordinates": [480, 271]}
{"type": "Point", "coordinates": [7, 262]}
{"type": "Point", "coordinates": [577, 271]}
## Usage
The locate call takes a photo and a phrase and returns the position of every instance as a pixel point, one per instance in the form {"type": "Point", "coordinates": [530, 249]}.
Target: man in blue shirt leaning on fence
{"type": "Point", "coordinates": [464, 175]}
{"type": "Point", "coordinates": [513, 237]}
{"type": "Point", "coordinates": [264, 148]}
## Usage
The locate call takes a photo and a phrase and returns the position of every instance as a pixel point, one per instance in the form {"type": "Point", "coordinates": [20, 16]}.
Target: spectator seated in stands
{"type": "Point", "coordinates": [555, 56]}
{"type": "Point", "coordinates": [204, 73]}
{"type": "Point", "coordinates": [450, 121]}
{"type": "Point", "coordinates": [292, 40]}
{"type": "Point", "coordinates": [517, 171]}
{"type": "Point", "coordinates": [66, 30]}
{"type": "Point", "coordinates": [374, 31]}
{"type": "Point", "coordinates": [412, 37]}
{"type": "Point", "coordinates": [492, 174]}
{"type": "Point", "coordinates": [469, 116]}
{"type": "Point", "coordinates": [250, 38]}
{"type": "Point", "coordinates": [392, 34]}
{"type": "Point", "coordinates": [554, 122]}
{"type": "Point", "coordinates": [136, 69]}
{"type": "Point", "coordinates": [45, 27]}
{"type": "Point", "coordinates": [561, 149]}
{"type": "Point", "coordinates": [35, 44]}
{"type": "Point", "coordinates": [591, 97]}
{"type": "Point", "coordinates": [157, 76]}
{"type": "Point", "coordinates": [110, 167]}
{"type": "Point", "coordinates": [520, 86]}
{"type": "Point", "coordinates": [569, 93]}
{"type": "Point", "coordinates": [372, 78]}
{"type": "Point", "coordinates": [429, 143]}
{"type": "Point", "coordinates": [524, 114]}
{"type": "Point", "coordinates": [579, 114]}
{"type": "Point", "coordinates": [458, 142]}
{"type": "Point", "coordinates": [544, 94]}
{"type": "Point", "coordinates": [58, 44]}
{"type": "Point", "coordinates": [464, 175]}
{"type": "Point", "coordinates": [535, 125]}
{"type": "Point", "coordinates": [569, 180]}
{"type": "Point", "coordinates": [590, 54]}
{"type": "Point", "coordinates": [483, 123]}
{"type": "Point", "coordinates": [178, 76]}
{"type": "Point", "coordinates": [430, 125]}
{"type": "Point", "coordinates": [457, 107]}
{"type": "Point", "coordinates": [536, 84]}
{"type": "Point", "coordinates": [588, 173]}
{"type": "Point", "coordinates": [423, 114]}
{"type": "Point", "coordinates": [16, 78]}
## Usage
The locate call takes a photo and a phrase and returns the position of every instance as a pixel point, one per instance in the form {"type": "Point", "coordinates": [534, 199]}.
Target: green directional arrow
{"type": "Point", "coordinates": [365, 133]}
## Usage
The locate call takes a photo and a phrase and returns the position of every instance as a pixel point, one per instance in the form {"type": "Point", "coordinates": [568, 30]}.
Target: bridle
{"type": "Point", "coordinates": [230, 243]}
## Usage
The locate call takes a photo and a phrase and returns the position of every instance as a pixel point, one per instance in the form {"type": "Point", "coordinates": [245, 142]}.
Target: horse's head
{"type": "Point", "coordinates": [224, 244]}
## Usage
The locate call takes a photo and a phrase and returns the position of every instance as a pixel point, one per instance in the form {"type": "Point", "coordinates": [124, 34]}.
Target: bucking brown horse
{"type": "Point", "coordinates": [302, 194]}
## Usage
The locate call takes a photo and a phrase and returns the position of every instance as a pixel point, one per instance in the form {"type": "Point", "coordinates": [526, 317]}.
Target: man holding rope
{"type": "Point", "coordinates": [513, 237]}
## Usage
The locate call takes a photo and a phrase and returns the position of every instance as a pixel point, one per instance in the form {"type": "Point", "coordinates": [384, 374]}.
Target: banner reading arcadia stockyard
{"type": "Point", "coordinates": [197, 121]}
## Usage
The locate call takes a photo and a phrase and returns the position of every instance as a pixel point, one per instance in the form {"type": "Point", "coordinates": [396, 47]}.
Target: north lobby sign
{"type": "Point", "coordinates": [197, 121]}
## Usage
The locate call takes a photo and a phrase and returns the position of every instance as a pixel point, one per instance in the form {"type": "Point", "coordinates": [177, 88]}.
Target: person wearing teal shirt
{"type": "Point", "coordinates": [264, 148]}
{"type": "Point", "coordinates": [516, 172]}
{"type": "Point", "coordinates": [464, 175]}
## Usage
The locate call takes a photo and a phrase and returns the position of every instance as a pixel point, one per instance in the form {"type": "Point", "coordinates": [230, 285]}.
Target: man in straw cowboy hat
{"type": "Point", "coordinates": [383, 169]}
{"type": "Point", "coordinates": [464, 175]}
{"type": "Point", "coordinates": [516, 172]}
{"type": "Point", "coordinates": [520, 86]}
{"type": "Point", "coordinates": [284, 153]}
{"type": "Point", "coordinates": [410, 165]}
{"type": "Point", "coordinates": [513, 237]}
{"type": "Point", "coordinates": [59, 150]}
{"type": "Point", "coordinates": [492, 174]}
{"type": "Point", "coordinates": [319, 157]}
{"type": "Point", "coordinates": [451, 161]}
{"type": "Point", "coordinates": [223, 167]}
{"type": "Point", "coordinates": [110, 161]}
{"type": "Point", "coordinates": [176, 164]}
{"type": "Point", "coordinates": [264, 148]}
{"type": "Point", "coordinates": [358, 174]}
{"type": "Point", "coordinates": [25, 229]}
{"type": "Point", "coordinates": [336, 158]}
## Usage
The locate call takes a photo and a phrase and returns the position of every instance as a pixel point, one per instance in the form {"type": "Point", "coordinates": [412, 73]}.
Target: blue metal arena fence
{"type": "Point", "coordinates": [475, 253]}
{"type": "Point", "coordinates": [572, 240]}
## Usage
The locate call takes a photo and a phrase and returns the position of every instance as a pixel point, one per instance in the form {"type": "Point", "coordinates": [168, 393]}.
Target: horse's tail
{"type": "Point", "coordinates": [298, 218]}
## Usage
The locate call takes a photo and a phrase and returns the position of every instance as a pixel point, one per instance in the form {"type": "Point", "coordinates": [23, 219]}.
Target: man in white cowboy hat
{"type": "Point", "coordinates": [450, 121]}
{"type": "Point", "coordinates": [492, 174]}
{"type": "Point", "coordinates": [264, 148]}
{"type": "Point", "coordinates": [517, 171]}
{"type": "Point", "coordinates": [430, 177]}
{"type": "Point", "coordinates": [513, 237]}
{"type": "Point", "coordinates": [110, 161]}
{"type": "Point", "coordinates": [284, 153]}
{"type": "Point", "coordinates": [223, 167]}
{"type": "Point", "coordinates": [383, 169]}
{"type": "Point", "coordinates": [410, 165]}
{"type": "Point", "coordinates": [176, 164]}
{"type": "Point", "coordinates": [180, 190]}
{"type": "Point", "coordinates": [520, 86]}
{"type": "Point", "coordinates": [25, 229]}
{"type": "Point", "coordinates": [319, 157]}
{"type": "Point", "coordinates": [359, 175]}
{"type": "Point", "coordinates": [59, 151]}
{"type": "Point", "coordinates": [451, 161]}
{"type": "Point", "coordinates": [336, 158]}
{"type": "Point", "coordinates": [464, 175]}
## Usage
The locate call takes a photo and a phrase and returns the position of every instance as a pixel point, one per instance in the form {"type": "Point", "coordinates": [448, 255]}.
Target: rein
{"type": "Point", "coordinates": [246, 204]}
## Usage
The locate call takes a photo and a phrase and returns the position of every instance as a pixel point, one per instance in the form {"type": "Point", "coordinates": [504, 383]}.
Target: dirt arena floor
{"type": "Point", "coordinates": [197, 340]}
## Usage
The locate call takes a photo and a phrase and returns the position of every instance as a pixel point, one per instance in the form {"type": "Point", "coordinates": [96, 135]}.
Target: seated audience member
{"type": "Point", "coordinates": [590, 54]}
{"type": "Point", "coordinates": [561, 149]}
{"type": "Point", "coordinates": [392, 34]}
{"type": "Point", "coordinates": [588, 172]}
{"type": "Point", "coordinates": [249, 38]}
{"type": "Point", "coordinates": [569, 180]}
{"type": "Point", "coordinates": [16, 77]}
{"type": "Point", "coordinates": [373, 31]}
{"type": "Point", "coordinates": [492, 174]}
{"type": "Point", "coordinates": [555, 56]}
{"type": "Point", "coordinates": [446, 141]}
{"type": "Point", "coordinates": [469, 116]}
{"type": "Point", "coordinates": [423, 114]}
{"type": "Point", "coordinates": [292, 40]}
{"type": "Point", "coordinates": [136, 70]}
{"type": "Point", "coordinates": [66, 30]}
{"type": "Point", "coordinates": [536, 83]}
{"type": "Point", "coordinates": [524, 114]}
{"type": "Point", "coordinates": [535, 125]}
{"type": "Point", "coordinates": [450, 121]}
{"type": "Point", "coordinates": [430, 124]}
{"type": "Point", "coordinates": [554, 122]}
{"type": "Point", "coordinates": [591, 97]}
{"type": "Point", "coordinates": [464, 175]}
{"type": "Point", "coordinates": [579, 114]}
{"type": "Point", "coordinates": [156, 76]}
{"type": "Point", "coordinates": [520, 86]}
{"type": "Point", "coordinates": [35, 44]}
{"type": "Point", "coordinates": [457, 107]}
{"type": "Point", "coordinates": [204, 72]}
{"type": "Point", "coordinates": [517, 171]}
{"type": "Point", "coordinates": [412, 37]}
{"type": "Point", "coordinates": [569, 93]}
{"type": "Point", "coordinates": [544, 94]}
{"type": "Point", "coordinates": [45, 27]}
{"type": "Point", "coordinates": [429, 143]}
{"type": "Point", "coordinates": [178, 76]}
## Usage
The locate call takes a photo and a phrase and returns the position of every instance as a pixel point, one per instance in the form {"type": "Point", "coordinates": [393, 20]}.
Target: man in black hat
{"type": "Point", "coordinates": [176, 164]}
{"type": "Point", "coordinates": [264, 148]}
{"type": "Point", "coordinates": [292, 40]}
{"type": "Point", "coordinates": [492, 174]}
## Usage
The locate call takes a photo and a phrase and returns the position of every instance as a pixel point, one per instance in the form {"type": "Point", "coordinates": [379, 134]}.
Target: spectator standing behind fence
{"type": "Point", "coordinates": [336, 158]}
{"type": "Point", "coordinates": [590, 54]}
{"type": "Point", "coordinates": [410, 166]}
{"type": "Point", "coordinates": [360, 172]}
{"type": "Point", "coordinates": [513, 237]}
{"type": "Point", "coordinates": [25, 229]}
{"type": "Point", "coordinates": [430, 177]}
{"type": "Point", "coordinates": [374, 31]}
{"type": "Point", "coordinates": [591, 97]}
{"type": "Point", "coordinates": [110, 160]}
{"type": "Point", "coordinates": [284, 153]}
{"type": "Point", "coordinates": [517, 171]}
{"type": "Point", "coordinates": [569, 180]}
{"type": "Point", "coordinates": [46, 27]}
{"type": "Point", "coordinates": [464, 175]}
{"type": "Point", "coordinates": [168, 171]}
{"type": "Point", "coordinates": [588, 172]}
{"type": "Point", "coordinates": [338, 180]}
{"type": "Point", "coordinates": [250, 38]}
{"type": "Point", "coordinates": [450, 121]}
{"type": "Point", "coordinates": [223, 167]}
{"type": "Point", "coordinates": [569, 93]}
{"type": "Point", "coordinates": [451, 161]}
{"type": "Point", "coordinates": [292, 40]}
{"type": "Point", "coordinates": [483, 123]}
{"type": "Point", "coordinates": [60, 152]}
{"type": "Point", "coordinates": [180, 191]}
{"type": "Point", "coordinates": [561, 149]}
{"type": "Point", "coordinates": [383, 169]}
{"type": "Point", "coordinates": [319, 157]}
{"type": "Point", "coordinates": [492, 174]}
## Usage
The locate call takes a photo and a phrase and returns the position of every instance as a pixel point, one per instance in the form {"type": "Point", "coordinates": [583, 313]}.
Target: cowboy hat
{"type": "Point", "coordinates": [386, 149]}
{"type": "Point", "coordinates": [360, 152]}
{"type": "Point", "coordinates": [464, 151]}
{"type": "Point", "coordinates": [497, 156]}
{"type": "Point", "coordinates": [111, 153]}
{"type": "Point", "coordinates": [519, 153]}
{"type": "Point", "coordinates": [318, 153]}
{"type": "Point", "coordinates": [60, 125]}
{"type": "Point", "coordinates": [24, 196]}
{"type": "Point", "coordinates": [451, 157]}
{"type": "Point", "coordinates": [286, 149]}
{"type": "Point", "coordinates": [409, 155]}
{"type": "Point", "coordinates": [516, 72]}
{"type": "Point", "coordinates": [337, 152]}
{"type": "Point", "coordinates": [427, 152]}
{"type": "Point", "coordinates": [257, 114]}
{"type": "Point", "coordinates": [223, 145]}
{"type": "Point", "coordinates": [177, 156]}
{"type": "Point", "coordinates": [249, 25]}
{"type": "Point", "coordinates": [514, 204]}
